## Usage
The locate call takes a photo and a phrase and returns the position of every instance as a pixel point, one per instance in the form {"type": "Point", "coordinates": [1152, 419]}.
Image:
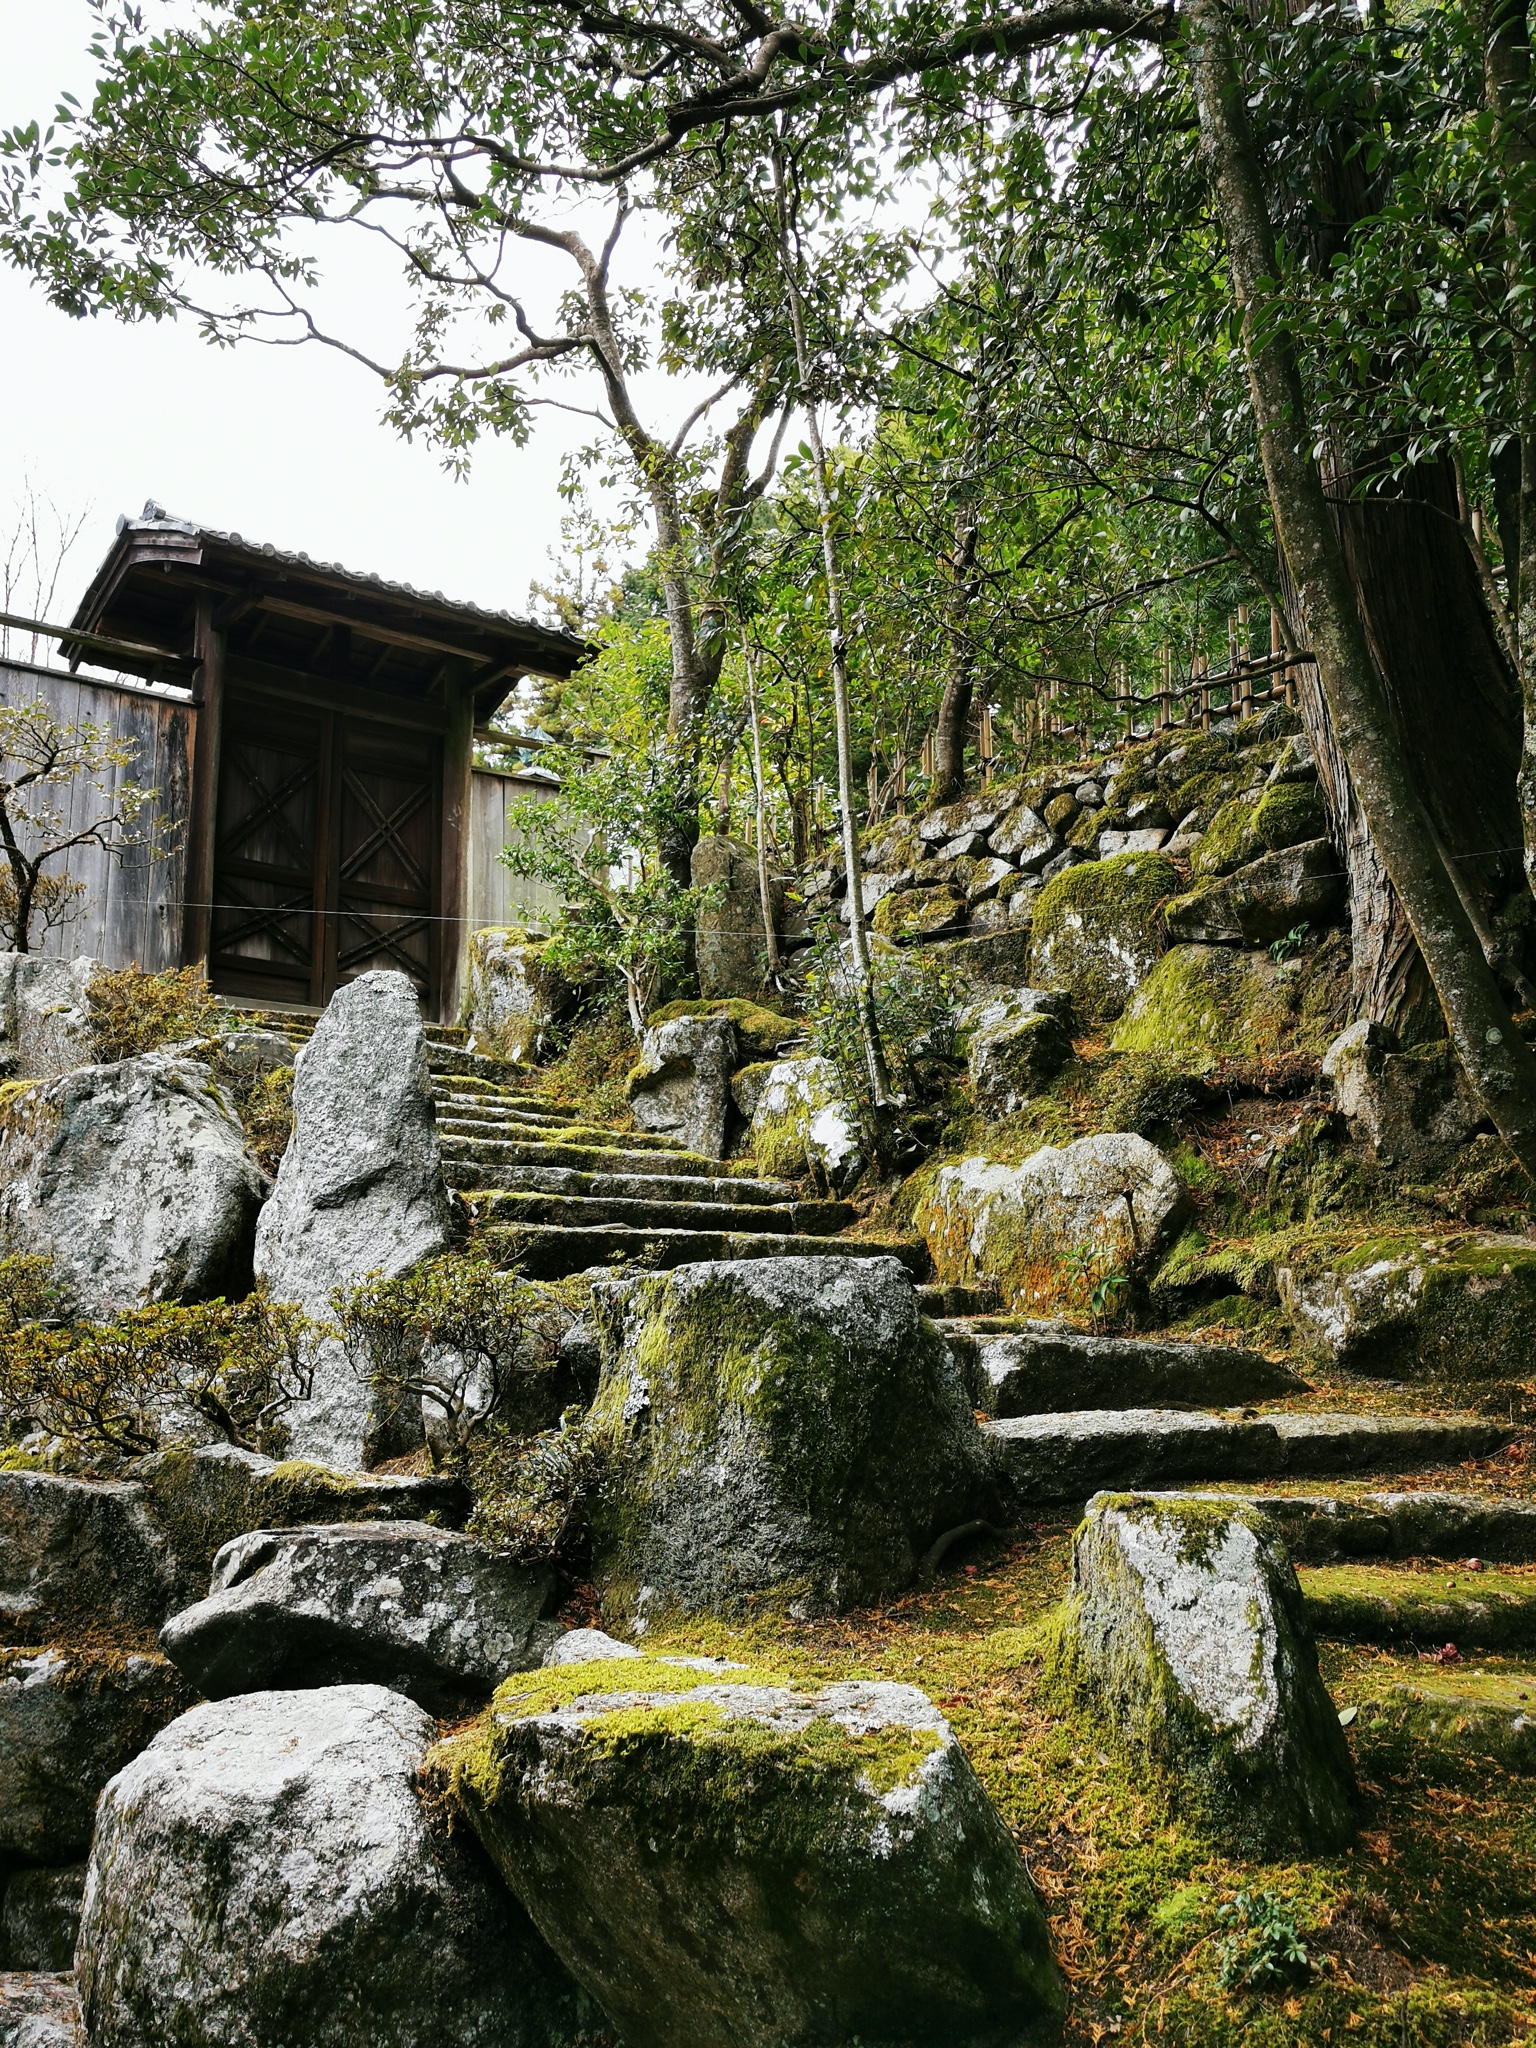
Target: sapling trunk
{"type": "Point", "coordinates": [1497, 1060]}
{"type": "Point", "coordinates": [771, 962]}
{"type": "Point", "coordinates": [874, 1051]}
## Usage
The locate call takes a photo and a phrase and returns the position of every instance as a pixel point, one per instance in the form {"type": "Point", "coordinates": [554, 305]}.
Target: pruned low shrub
{"type": "Point", "coordinates": [129, 1012]}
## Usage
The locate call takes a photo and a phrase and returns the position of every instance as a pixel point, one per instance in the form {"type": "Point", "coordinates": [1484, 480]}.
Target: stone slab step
{"type": "Point", "coordinates": [548, 1251]}
{"type": "Point", "coordinates": [455, 1059]}
{"type": "Point", "coordinates": [1324, 1528]}
{"type": "Point", "coordinates": [955, 1300]}
{"type": "Point", "coordinates": [618, 1156]}
{"type": "Point", "coordinates": [505, 1120]}
{"type": "Point", "coordinates": [1044, 1368]}
{"type": "Point", "coordinates": [1485, 1610]}
{"type": "Point", "coordinates": [487, 1151]}
{"type": "Point", "coordinates": [643, 1187]}
{"type": "Point", "coordinates": [789, 1219]}
{"type": "Point", "coordinates": [1068, 1456]}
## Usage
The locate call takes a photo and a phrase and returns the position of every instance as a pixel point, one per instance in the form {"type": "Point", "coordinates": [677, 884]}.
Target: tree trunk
{"type": "Point", "coordinates": [954, 715]}
{"type": "Point", "coordinates": [1498, 1063]}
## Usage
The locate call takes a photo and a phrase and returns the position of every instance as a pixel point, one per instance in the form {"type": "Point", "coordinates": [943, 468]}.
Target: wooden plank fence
{"type": "Point", "coordinates": [131, 911]}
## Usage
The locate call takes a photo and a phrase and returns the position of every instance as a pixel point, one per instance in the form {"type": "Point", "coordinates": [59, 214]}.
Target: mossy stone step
{"type": "Point", "coordinates": [608, 1154]}
{"type": "Point", "coordinates": [455, 1059]}
{"type": "Point", "coordinates": [504, 1121]}
{"type": "Point", "coordinates": [1464, 1712]}
{"type": "Point", "coordinates": [790, 1219]}
{"type": "Point", "coordinates": [1068, 1456]}
{"type": "Point", "coordinates": [548, 1251]}
{"type": "Point", "coordinates": [1361, 1603]}
{"type": "Point", "coordinates": [1325, 1528]}
{"type": "Point", "coordinates": [1043, 1368]}
{"type": "Point", "coordinates": [643, 1187]}
{"type": "Point", "coordinates": [956, 1301]}
{"type": "Point", "coordinates": [508, 1151]}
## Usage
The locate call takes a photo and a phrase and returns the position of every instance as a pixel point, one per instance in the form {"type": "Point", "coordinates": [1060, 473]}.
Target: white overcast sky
{"type": "Point", "coordinates": [283, 445]}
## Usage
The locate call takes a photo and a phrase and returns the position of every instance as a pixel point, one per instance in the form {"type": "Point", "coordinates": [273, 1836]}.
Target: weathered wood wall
{"type": "Point", "coordinates": [496, 896]}
{"type": "Point", "coordinates": [131, 912]}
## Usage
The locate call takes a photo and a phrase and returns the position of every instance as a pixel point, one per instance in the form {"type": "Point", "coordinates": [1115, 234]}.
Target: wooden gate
{"type": "Point", "coordinates": [325, 861]}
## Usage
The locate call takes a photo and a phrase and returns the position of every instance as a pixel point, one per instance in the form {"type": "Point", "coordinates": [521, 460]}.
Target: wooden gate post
{"type": "Point", "coordinates": [202, 825]}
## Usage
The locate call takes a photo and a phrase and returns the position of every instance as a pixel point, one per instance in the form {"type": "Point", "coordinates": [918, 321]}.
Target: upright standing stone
{"type": "Point", "coordinates": [515, 998]}
{"type": "Point", "coordinates": [730, 943]}
{"type": "Point", "coordinates": [681, 1085]}
{"type": "Point", "coordinates": [44, 1024]}
{"type": "Point", "coordinates": [1185, 1629]}
{"type": "Point", "coordinates": [360, 1191]}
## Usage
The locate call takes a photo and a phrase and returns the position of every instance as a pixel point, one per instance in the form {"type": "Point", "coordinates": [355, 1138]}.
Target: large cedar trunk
{"type": "Point", "coordinates": [1456, 708]}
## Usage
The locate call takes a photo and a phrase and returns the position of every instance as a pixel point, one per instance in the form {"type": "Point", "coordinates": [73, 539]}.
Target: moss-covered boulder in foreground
{"type": "Point", "coordinates": [792, 1432]}
{"type": "Point", "coordinates": [1185, 1631]}
{"type": "Point", "coordinates": [1070, 1214]}
{"type": "Point", "coordinates": [1459, 1309]}
{"type": "Point", "coordinates": [1095, 929]}
{"type": "Point", "coordinates": [731, 1862]}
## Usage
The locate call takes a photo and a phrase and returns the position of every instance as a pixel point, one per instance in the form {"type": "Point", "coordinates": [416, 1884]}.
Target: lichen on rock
{"type": "Point", "coordinates": [513, 998]}
{"type": "Point", "coordinates": [802, 1123]}
{"type": "Point", "coordinates": [1184, 1631]}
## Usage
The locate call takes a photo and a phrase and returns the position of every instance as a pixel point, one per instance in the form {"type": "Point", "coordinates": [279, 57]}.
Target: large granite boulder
{"type": "Point", "coordinates": [45, 1025]}
{"type": "Point", "coordinates": [513, 998]}
{"type": "Point", "coordinates": [1184, 1630]}
{"type": "Point", "coordinates": [792, 1431]}
{"type": "Point", "coordinates": [802, 1123]}
{"type": "Point", "coordinates": [1262, 900]}
{"type": "Point", "coordinates": [401, 1604]}
{"type": "Point", "coordinates": [134, 1179]}
{"type": "Point", "coordinates": [202, 1497]}
{"type": "Point", "coordinates": [730, 945]}
{"type": "Point", "coordinates": [1410, 1108]}
{"type": "Point", "coordinates": [360, 1191]}
{"type": "Point", "coordinates": [681, 1084]}
{"type": "Point", "coordinates": [732, 1863]}
{"type": "Point", "coordinates": [1412, 1307]}
{"type": "Point", "coordinates": [78, 1553]}
{"type": "Point", "coordinates": [1067, 1217]}
{"type": "Point", "coordinates": [1096, 929]}
{"type": "Point", "coordinates": [68, 1720]}
{"type": "Point", "coordinates": [267, 1873]}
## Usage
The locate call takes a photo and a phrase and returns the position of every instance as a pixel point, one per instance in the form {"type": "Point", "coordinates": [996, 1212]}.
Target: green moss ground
{"type": "Point", "coordinates": [1425, 1931]}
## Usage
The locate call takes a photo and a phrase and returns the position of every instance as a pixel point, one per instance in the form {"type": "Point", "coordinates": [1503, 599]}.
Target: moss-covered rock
{"type": "Point", "coordinates": [70, 1719]}
{"type": "Point", "coordinates": [1458, 1309]}
{"type": "Point", "coordinates": [920, 913]}
{"type": "Point", "coordinates": [1184, 1630]}
{"type": "Point", "coordinates": [802, 1124]}
{"type": "Point", "coordinates": [759, 1029]}
{"type": "Point", "coordinates": [79, 1554]}
{"type": "Point", "coordinates": [1229, 841]}
{"type": "Point", "coordinates": [1014, 1058]}
{"type": "Point", "coordinates": [200, 1498]}
{"type": "Point", "coordinates": [1095, 929]}
{"type": "Point", "coordinates": [1201, 1003]}
{"type": "Point", "coordinates": [1288, 814]}
{"type": "Point", "coordinates": [791, 1430]}
{"type": "Point", "coordinates": [1263, 900]}
{"type": "Point", "coordinates": [1060, 811]}
{"type": "Point", "coordinates": [513, 997]}
{"type": "Point", "coordinates": [1078, 1212]}
{"type": "Point", "coordinates": [1409, 1106]}
{"type": "Point", "coordinates": [734, 1863]}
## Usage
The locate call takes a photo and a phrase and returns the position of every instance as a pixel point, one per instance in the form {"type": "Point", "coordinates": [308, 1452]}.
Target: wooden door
{"type": "Point", "coordinates": [386, 897]}
{"type": "Point", "coordinates": [268, 870]}
{"type": "Point", "coordinates": [326, 853]}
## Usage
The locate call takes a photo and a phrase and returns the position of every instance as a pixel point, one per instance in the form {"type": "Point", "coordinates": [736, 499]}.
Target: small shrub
{"type": "Point", "coordinates": [120, 1388]}
{"type": "Point", "coordinates": [266, 1113]}
{"type": "Point", "coordinates": [129, 1012]}
{"type": "Point", "coordinates": [533, 1496]}
{"type": "Point", "coordinates": [27, 1293]}
{"type": "Point", "coordinates": [1265, 1948]}
{"type": "Point", "coordinates": [917, 1005]}
{"type": "Point", "coordinates": [448, 1336]}
{"type": "Point", "coordinates": [593, 1067]}
{"type": "Point", "coordinates": [1148, 1093]}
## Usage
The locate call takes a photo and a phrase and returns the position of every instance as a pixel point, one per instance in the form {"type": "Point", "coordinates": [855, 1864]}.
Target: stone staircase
{"type": "Point", "coordinates": [554, 1193]}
